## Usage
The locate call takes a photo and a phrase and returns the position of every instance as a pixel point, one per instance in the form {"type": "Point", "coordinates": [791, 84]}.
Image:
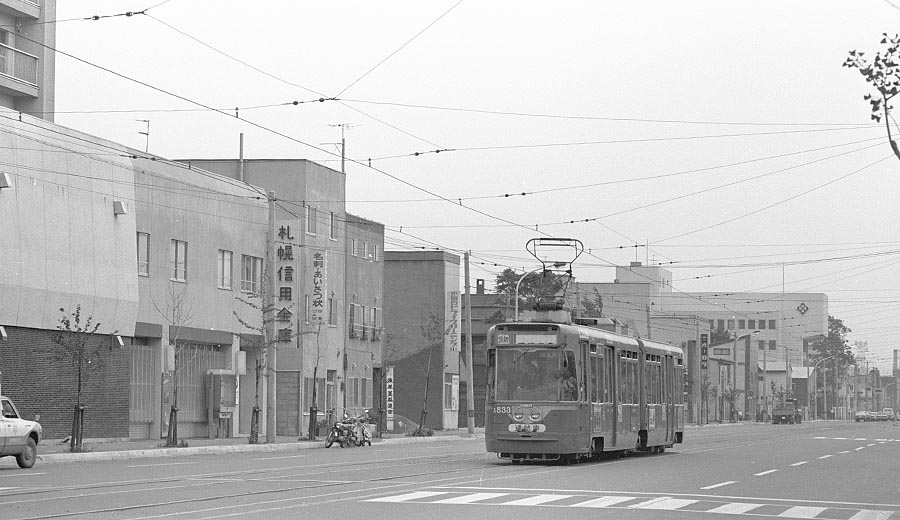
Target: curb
{"type": "Point", "coordinates": [231, 448]}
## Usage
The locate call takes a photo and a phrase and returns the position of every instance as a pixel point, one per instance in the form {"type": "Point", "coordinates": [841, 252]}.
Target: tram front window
{"type": "Point", "coordinates": [528, 374]}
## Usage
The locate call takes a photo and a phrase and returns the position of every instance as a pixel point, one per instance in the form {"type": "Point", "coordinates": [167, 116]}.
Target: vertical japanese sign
{"type": "Point", "coordinates": [454, 392]}
{"type": "Point", "coordinates": [704, 351]}
{"type": "Point", "coordinates": [389, 398]}
{"type": "Point", "coordinates": [284, 270]}
{"type": "Point", "coordinates": [454, 322]}
{"type": "Point", "coordinates": [319, 286]}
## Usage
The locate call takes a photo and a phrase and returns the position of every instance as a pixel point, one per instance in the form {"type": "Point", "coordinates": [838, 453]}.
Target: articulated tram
{"type": "Point", "coordinates": [564, 391]}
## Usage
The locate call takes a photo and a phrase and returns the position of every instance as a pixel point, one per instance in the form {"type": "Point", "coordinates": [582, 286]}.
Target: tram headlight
{"type": "Point", "coordinates": [519, 414]}
{"type": "Point", "coordinates": [535, 414]}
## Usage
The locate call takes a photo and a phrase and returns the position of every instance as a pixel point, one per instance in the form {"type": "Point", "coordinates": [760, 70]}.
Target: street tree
{"type": "Point", "coordinates": [536, 285]}
{"type": "Point", "coordinates": [835, 345]}
{"type": "Point", "coordinates": [82, 349]}
{"type": "Point", "coordinates": [177, 312]}
{"type": "Point", "coordinates": [883, 73]}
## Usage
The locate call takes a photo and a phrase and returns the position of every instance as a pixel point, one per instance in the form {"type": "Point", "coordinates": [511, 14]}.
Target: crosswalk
{"type": "Point", "coordinates": [630, 502]}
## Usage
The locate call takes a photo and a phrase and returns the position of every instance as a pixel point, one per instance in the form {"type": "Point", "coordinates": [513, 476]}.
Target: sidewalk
{"type": "Point", "coordinates": [55, 451]}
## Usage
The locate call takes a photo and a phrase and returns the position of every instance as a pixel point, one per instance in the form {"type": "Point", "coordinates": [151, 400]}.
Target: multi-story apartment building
{"type": "Point", "coordinates": [27, 59]}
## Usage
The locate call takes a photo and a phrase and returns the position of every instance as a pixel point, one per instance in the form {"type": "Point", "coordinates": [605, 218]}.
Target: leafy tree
{"type": "Point", "coordinates": [592, 305]}
{"type": "Point", "coordinates": [83, 352]}
{"type": "Point", "coordinates": [834, 345]}
{"type": "Point", "coordinates": [883, 73]}
{"type": "Point", "coordinates": [719, 336]}
{"type": "Point", "coordinates": [534, 286]}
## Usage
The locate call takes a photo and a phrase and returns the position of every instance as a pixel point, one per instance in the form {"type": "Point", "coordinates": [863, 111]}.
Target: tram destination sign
{"type": "Point", "coordinates": [535, 339]}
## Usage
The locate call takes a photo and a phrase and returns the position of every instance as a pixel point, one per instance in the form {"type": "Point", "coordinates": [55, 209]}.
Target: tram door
{"type": "Point", "coordinates": [611, 382]}
{"type": "Point", "coordinates": [669, 381]}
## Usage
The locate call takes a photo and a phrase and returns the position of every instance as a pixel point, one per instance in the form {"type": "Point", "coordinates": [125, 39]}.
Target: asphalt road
{"type": "Point", "coordinates": [814, 470]}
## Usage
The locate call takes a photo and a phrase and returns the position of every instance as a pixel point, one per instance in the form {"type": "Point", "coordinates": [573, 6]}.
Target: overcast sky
{"type": "Point", "coordinates": [724, 135]}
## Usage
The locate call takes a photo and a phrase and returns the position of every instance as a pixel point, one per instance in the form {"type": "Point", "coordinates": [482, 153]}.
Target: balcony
{"type": "Point", "coordinates": [21, 8]}
{"type": "Point", "coordinates": [18, 65]}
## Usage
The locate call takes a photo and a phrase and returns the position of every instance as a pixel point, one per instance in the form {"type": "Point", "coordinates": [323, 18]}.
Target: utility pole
{"type": "Point", "coordinates": [269, 321]}
{"type": "Point", "coordinates": [648, 323]}
{"type": "Point", "coordinates": [470, 372]}
{"type": "Point", "coordinates": [146, 134]}
{"type": "Point", "coordinates": [343, 144]}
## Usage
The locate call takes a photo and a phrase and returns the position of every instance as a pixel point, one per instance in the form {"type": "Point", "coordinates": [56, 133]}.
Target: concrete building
{"type": "Point", "coordinates": [27, 56]}
{"type": "Point", "coordinates": [781, 326]}
{"type": "Point", "coordinates": [422, 350]}
{"type": "Point", "coordinates": [170, 258]}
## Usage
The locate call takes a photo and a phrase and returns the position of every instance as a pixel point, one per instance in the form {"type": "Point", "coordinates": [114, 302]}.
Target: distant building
{"type": "Point", "coordinates": [27, 57]}
{"type": "Point", "coordinates": [423, 339]}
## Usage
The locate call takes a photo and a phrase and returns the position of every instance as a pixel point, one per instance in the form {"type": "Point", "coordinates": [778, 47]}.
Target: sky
{"type": "Point", "coordinates": [720, 139]}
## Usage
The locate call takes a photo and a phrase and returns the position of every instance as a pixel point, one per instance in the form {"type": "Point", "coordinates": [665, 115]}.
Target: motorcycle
{"type": "Point", "coordinates": [343, 432]}
{"type": "Point", "coordinates": [351, 431]}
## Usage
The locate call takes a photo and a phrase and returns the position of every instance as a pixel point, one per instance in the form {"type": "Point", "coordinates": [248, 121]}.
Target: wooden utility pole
{"type": "Point", "coordinates": [269, 322]}
{"type": "Point", "coordinates": [470, 372]}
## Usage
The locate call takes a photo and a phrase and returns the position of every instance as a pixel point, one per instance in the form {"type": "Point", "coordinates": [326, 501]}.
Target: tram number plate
{"type": "Point", "coordinates": [503, 409]}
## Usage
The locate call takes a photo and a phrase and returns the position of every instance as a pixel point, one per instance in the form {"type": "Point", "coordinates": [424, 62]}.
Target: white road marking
{"type": "Point", "coordinates": [22, 474]}
{"type": "Point", "coordinates": [7, 488]}
{"type": "Point", "coordinates": [735, 508]}
{"type": "Point", "coordinates": [408, 496]}
{"type": "Point", "coordinates": [802, 462]}
{"type": "Point", "coordinates": [802, 512]}
{"type": "Point", "coordinates": [468, 499]}
{"type": "Point", "coordinates": [664, 503]}
{"type": "Point", "coordinates": [860, 439]}
{"type": "Point", "coordinates": [761, 473]}
{"type": "Point", "coordinates": [720, 484]}
{"type": "Point", "coordinates": [284, 457]}
{"type": "Point", "coordinates": [860, 448]}
{"type": "Point", "coordinates": [826, 456]}
{"type": "Point", "coordinates": [603, 502]}
{"type": "Point", "coordinates": [871, 514]}
{"type": "Point", "coordinates": [161, 464]}
{"type": "Point", "coordinates": [535, 500]}
{"type": "Point", "coordinates": [845, 451]}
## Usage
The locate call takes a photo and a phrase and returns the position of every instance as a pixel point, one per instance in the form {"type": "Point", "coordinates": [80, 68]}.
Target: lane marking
{"type": "Point", "coordinates": [720, 484]}
{"type": "Point", "coordinates": [801, 463]}
{"type": "Point", "coordinates": [23, 474]}
{"type": "Point", "coordinates": [826, 456]}
{"type": "Point", "coordinates": [860, 448]}
{"type": "Point", "coordinates": [871, 514]}
{"type": "Point", "coordinates": [845, 451]}
{"type": "Point", "coordinates": [664, 503]}
{"type": "Point", "coordinates": [536, 500]}
{"type": "Point", "coordinates": [802, 512]}
{"type": "Point", "coordinates": [603, 502]}
{"type": "Point", "coordinates": [409, 496]}
{"type": "Point", "coordinates": [163, 464]}
{"type": "Point", "coordinates": [761, 473]}
{"type": "Point", "coordinates": [468, 499]}
{"type": "Point", "coordinates": [735, 508]}
{"type": "Point", "coordinates": [286, 457]}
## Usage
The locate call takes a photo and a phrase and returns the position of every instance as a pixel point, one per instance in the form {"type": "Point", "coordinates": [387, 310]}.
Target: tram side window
{"type": "Point", "coordinates": [608, 373]}
{"type": "Point", "coordinates": [679, 383]}
{"type": "Point", "coordinates": [596, 377]}
{"type": "Point", "coordinates": [568, 379]}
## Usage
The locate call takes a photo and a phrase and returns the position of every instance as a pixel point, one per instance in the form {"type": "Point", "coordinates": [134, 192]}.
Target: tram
{"type": "Point", "coordinates": [564, 390]}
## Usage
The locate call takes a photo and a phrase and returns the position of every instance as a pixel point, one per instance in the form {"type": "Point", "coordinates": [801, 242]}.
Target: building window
{"type": "Point", "coordinates": [741, 324]}
{"type": "Point", "coordinates": [143, 253]}
{"type": "Point", "coordinates": [351, 246]}
{"type": "Point", "coordinates": [251, 273]}
{"type": "Point", "coordinates": [720, 325]}
{"type": "Point", "coordinates": [762, 324]}
{"type": "Point", "coordinates": [179, 260]}
{"type": "Point", "coordinates": [721, 351]}
{"type": "Point", "coordinates": [332, 310]}
{"type": "Point", "coordinates": [351, 318]}
{"type": "Point", "coordinates": [751, 324]}
{"type": "Point", "coordinates": [306, 310]}
{"type": "Point", "coordinates": [374, 252]}
{"type": "Point", "coordinates": [364, 395]}
{"type": "Point", "coordinates": [310, 220]}
{"type": "Point", "coordinates": [772, 324]}
{"type": "Point", "coordinates": [353, 392]}
{"type": "Point", "coordinates": [332, 226]}
{"type": "Point", "coordinates": [730, 324]}
{"type": "Point", "coordinates": [224, 263]}
{"type": "Point", "coordinates": [762, 345]}
{"type": "Point", "coordinates": [771, 344]}
{"type": "Point", "coordinates": [364, 250]}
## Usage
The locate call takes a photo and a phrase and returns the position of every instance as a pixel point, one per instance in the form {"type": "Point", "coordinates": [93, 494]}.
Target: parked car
{"type": "Point", "coordinates": [890, 414]}
{"type": "Point", "coordinates": [861, 416]}
{"type": "Point", "coordinates": [870, 416]}
{"type": "Point", "coordinates": [19, 438]}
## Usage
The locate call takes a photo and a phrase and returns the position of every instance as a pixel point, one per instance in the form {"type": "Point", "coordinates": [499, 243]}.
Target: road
{"type": "Point", "coordinates": [827, 470]}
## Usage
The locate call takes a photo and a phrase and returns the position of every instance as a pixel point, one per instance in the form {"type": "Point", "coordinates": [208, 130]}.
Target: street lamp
{"type": "Point", "coordinates": [516, 315]}
{"type": "Point", "coordinates": [734, 376]}
{"type": "Point", "coordinates": [824, 389]}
